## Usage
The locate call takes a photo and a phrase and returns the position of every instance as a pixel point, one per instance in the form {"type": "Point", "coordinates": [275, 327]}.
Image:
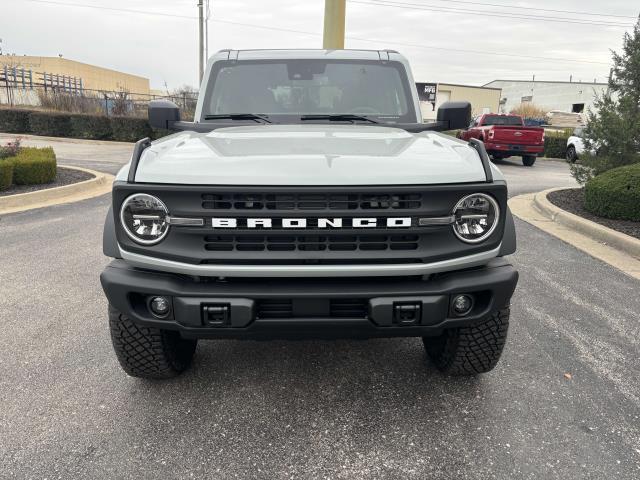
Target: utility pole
{"type": "Point", "coordinates": [201, 38]}
{"type": "Point", "coordinates": [334, 20]}
{"type": "Point", "coordinates": [207, 14]}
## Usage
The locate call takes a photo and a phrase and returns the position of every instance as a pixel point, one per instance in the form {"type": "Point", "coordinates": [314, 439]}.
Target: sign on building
{"type": "Point", "coordinates": [427, 93]}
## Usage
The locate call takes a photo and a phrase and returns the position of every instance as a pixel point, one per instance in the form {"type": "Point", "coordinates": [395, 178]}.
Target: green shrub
{"type": "Point", "coordinates": [34, 166]}
{"type": "Point", "coordinates": [452, 133]}
{"type": "Point", "coordinates": [130, 129]}
{"type": "Point", "coordinates": [50, 124]}
{"type": "Point", "coordinates": [615, 194]}
{"type": "Point", "coordinates": [14, 120]}
{"type": "Point", "coordinates": [159, 133]}
{"type": "Point", "coordinates": [6, 174]}
{"type": "Point", "coordinates": [555, 144]}
{"type": "Point", "coordinates": [93, 127]}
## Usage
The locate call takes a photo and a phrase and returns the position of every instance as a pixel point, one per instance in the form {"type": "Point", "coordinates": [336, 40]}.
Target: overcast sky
{"type": "Point", "coordinates": [164, 48]}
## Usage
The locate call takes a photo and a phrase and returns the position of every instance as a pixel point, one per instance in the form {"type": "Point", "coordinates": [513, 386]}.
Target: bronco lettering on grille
{"type": "Point", "coordinates": [371, 222]}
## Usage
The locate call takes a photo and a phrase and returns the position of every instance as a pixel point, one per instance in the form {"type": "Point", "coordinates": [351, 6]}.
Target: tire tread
{"type": "Point", "coordinates": [148, 352]}
{"type": "Point", "coordinates": [470, 350]}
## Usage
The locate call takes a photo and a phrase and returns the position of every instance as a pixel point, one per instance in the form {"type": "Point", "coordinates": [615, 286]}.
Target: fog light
{"type": "Point", "coordinates": [160, 306]}
{"type": "Point", "coordinates": [462, 304]}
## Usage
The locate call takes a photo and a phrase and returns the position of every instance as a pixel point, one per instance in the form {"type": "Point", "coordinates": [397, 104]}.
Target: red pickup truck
{"type": "Point", "coordinates": [506, 136]}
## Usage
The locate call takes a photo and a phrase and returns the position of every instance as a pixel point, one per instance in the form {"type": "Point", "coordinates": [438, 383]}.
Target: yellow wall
{"type": "Point", "coordinates": [93, 78]}
{"type": "Point", "coordinates": [481, 99]}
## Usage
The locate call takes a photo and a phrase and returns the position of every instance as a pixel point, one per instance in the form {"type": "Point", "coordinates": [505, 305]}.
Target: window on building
{"type": "Point", "coordinates": [527, 99]}
{"type": "Point", "coordinates": [577, 108]}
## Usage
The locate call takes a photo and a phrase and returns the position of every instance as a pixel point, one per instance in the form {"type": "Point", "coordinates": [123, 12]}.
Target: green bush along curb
{"type": "Point", "coordinates": [615, 194]}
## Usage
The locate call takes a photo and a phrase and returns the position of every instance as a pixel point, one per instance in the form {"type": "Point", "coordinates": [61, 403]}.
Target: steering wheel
{"type": "Point", "coordinates": [363, 110]}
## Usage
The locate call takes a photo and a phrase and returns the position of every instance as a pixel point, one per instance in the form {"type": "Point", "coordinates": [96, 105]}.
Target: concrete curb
{"type": "Point", "coordinates": [625, 243]}
{"type": "Point", "coordinates": [99, 185]}
{"type": "Point", "coordinates": [593, 239]}
{"type": "Point", "coordinates": [80, 141]}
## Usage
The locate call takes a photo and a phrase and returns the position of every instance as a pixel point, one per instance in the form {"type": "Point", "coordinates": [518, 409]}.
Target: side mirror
{"type": "Point", "coordinates": [162, 113]}
{"type": "Point", "coordinates": [454, 115]}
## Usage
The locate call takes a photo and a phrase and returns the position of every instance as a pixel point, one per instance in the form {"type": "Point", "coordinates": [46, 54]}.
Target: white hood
{"type": "Point", "coordinates": [309, 155]}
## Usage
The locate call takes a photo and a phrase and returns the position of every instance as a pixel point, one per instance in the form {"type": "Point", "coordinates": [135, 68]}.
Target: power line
{"type": "Point", "coordinates": [113, 9]}
{"type": "Point", "coordinates": [481, 52]}
{"type": "Point", "coordinates": [302, 32]}
{"type": "Point", "coordinates": [540, 18]}
{"type": "Point", "coordinates": [514, 15]}
{"type": "Point", "coordinates": [502, 5]}
{"type": "Point", "coordinates": [420, 46]}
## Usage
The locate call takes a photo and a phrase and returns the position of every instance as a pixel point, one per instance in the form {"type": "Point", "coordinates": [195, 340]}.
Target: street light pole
{"type": "Point", "coordinates": [201, 39]}
{"type": "Point", "coordinates": [334, 20]}
{"type": "Point", "coordinates": [207, 14]}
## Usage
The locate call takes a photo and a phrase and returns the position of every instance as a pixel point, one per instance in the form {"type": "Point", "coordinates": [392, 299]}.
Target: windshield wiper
{"type": "Point", "coordinates": [339, 117]}
{"type": "Point", "coordinates": [239, 116]}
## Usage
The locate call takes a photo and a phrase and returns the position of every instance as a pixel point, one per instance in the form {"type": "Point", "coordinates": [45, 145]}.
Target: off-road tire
{"type": "Point", "coordinates": [528, 160]}
{"type": "Point", "coordinates": [470, 350]}
{"type": "Point", "coordinates": [149, 353]}
{"type": "Point", "coordinates": [572, 155]}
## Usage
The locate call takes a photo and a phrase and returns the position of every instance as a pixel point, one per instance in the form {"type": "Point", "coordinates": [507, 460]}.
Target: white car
{"type": "Point", "coordinates": [575, 145]}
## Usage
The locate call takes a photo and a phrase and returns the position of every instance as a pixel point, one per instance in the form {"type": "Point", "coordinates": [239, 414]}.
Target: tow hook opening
{"type": "Point", "coordinates": [216, 314]}
{"type": "Point", "coordinates": [408, 313]}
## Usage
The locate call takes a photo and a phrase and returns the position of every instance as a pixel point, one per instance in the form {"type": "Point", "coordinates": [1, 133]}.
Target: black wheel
{"type": "Point", "coordinates": [470, 350]}
{"type": "Point", "coordinates": [528, 160]}
{"type": "Point", "coordinates": [572, 155]}
{"type": "Point", "coordinates": [149, 352]}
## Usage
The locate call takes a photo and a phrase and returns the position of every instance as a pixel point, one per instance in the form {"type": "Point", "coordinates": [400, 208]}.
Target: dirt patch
{"type": "Point", "coordinates": [572, 200]}
{"type": "Point", "coordinates": [64, 176]}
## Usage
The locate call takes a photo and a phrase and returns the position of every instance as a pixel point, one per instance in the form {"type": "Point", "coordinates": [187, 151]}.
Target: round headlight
{"type": "Point", "coordinates": [144, 218]}
{"type": "Point", "coordinates": [476, 217]}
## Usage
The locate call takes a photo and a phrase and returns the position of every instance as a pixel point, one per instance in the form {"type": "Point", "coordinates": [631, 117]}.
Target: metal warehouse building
{"type": "Point", "coordinates": [65, 73]}
{"type": "Point", "coordinates": [577, 97]}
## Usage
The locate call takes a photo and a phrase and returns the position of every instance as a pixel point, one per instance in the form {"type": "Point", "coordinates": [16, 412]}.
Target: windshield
{"type": "Point", "coordinates": [502, 120]}
{"type": "Point", "coordinates": [294, 88]}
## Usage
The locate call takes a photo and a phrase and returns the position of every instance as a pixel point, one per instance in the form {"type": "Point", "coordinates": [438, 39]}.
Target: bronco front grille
{"type": "Point", "coordinates": [311, 201]}
{"type": "Point", "coordinates": [337, 240]}
{"type": "Point", "coordinates": [310, 243]}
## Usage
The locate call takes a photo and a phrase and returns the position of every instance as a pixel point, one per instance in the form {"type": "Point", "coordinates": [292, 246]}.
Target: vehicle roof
{"type": "Point", "coordinates": [307, 54]}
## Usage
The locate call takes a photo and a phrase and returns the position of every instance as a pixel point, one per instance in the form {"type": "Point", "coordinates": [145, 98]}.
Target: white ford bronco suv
{"type": "Point", "coordinates": [308, 199]}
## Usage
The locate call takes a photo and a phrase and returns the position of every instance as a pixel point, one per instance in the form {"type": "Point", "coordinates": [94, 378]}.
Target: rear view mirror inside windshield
{"type": "Point", "coordinates": [302, 70]}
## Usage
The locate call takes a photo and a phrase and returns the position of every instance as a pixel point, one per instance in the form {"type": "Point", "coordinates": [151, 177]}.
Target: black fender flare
{"type": "Point", "coordinates": [109, 240]}
{"type": "Point", "coordinates": [509, 237]}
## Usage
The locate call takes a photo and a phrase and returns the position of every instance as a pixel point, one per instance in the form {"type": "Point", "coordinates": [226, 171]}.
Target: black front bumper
{"type": "Point", "coordinates": [309, 307]}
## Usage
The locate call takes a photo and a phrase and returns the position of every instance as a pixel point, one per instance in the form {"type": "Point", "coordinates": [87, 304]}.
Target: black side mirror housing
{"type": "Point", "coordinates": [454, 115]}
{"type": "Point", "coordinates": [162, 114]}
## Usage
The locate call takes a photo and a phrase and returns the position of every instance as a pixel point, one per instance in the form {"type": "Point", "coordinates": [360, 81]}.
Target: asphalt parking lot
{"type": "Point", "coordinates": [564, 402]}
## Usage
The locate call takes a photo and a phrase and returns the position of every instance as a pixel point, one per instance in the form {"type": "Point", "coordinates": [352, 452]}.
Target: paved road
{"type": "Point", "coordinates": [348, 409]}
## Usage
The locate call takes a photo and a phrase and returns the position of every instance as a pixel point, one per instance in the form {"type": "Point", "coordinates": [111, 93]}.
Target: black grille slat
{"type": "Point", "coordinates": [310, 243]}
{"type": "Point", "coordinates": [311, 201]}
{"type": "Point", "coordinates": [274, 309]}
{"type": "Point", "coordinates": [338, 308]}
{"type": "Point", "coordinates": [348, 308]}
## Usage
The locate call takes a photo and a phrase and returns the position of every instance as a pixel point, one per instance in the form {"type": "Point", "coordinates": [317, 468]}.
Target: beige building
{"type": "Point", "coordinates": [93, 77]}
{"type": "Point", "coordinates": [432, 95]}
